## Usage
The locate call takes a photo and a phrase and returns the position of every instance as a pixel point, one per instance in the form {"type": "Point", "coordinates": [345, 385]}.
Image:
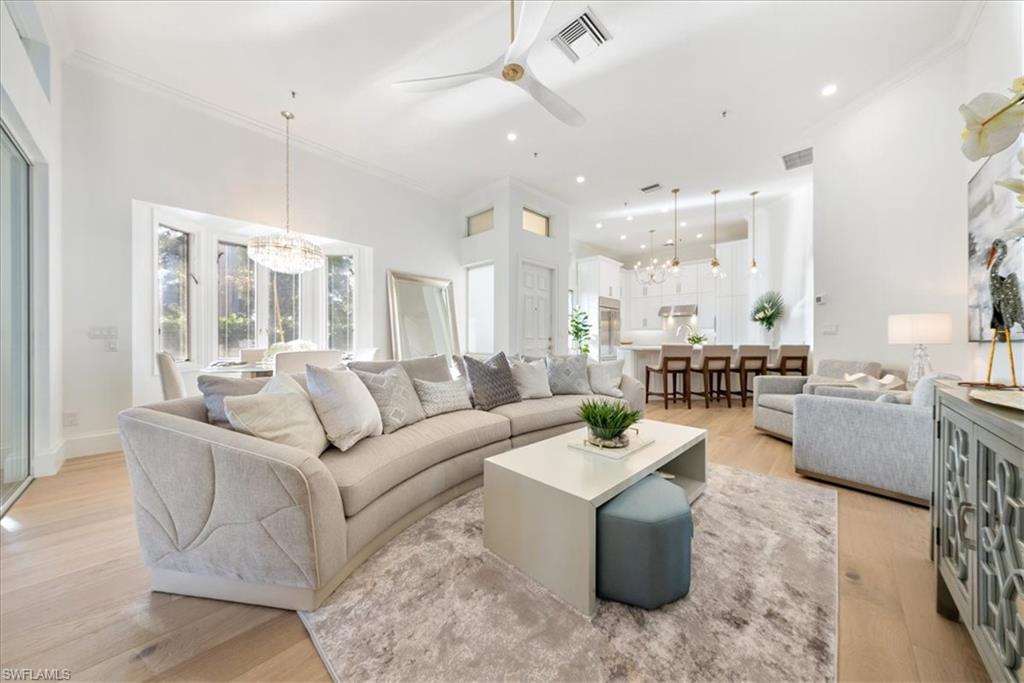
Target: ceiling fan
{"type": "Point", "coordinates": [511, 66]}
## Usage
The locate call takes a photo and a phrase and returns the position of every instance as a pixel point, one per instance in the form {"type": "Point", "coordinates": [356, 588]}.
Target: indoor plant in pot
{"type": "Point", "coordinates": [607, 422]}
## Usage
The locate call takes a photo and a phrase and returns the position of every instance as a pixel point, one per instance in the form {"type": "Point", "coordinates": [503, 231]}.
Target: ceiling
{"type": "Point", "coordinates": [654, 95]}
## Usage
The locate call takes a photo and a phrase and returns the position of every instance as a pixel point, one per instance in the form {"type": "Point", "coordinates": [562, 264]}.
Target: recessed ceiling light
{"type": "Point", "coordinates": [682, 224]}
{"type": "Point", "coordinates": [511, 136]}
{"type": "Point", "coordinates": [580, 179]}
{"type": "Point", "coordinates": [829, 90]}
{"type": "Point", "coordinates": [664, 209]}
{"type": "Point", "coordinates": [643, 246]}
{"type": "Point", "coordinates": [622, 237]}
{"type": "Point", "coordinates": [699, 235]}
{"type": "Point", "coordinates": [598, 225]}
{"type": "Point", "coordinates": [629, 218]}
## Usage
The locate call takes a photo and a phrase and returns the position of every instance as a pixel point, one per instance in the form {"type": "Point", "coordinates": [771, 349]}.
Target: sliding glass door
{"type": "Point", "coordinates": [14, 321]}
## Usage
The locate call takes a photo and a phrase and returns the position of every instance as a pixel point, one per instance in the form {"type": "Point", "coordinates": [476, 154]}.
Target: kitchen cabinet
{"type": "Point", "coordinates": [977, 515]}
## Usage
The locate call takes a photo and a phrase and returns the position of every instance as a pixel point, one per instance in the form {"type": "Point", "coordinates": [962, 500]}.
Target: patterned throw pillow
{"type": "Point", "coordinates": [606, 377]}
{"type": "Point", "coordinates": [568, 375]}
{"type": "Point", "coordinates": [395, 396]}
{"type": "Point", "coordinates": [491, 381]}
{"type": "Point", "coordinates": [442, 397]}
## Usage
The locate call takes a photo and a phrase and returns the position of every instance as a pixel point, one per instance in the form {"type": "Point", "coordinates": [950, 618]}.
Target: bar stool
{"type": "Point", "coordinates": [674, 361]}
{"type": "Point", "coordinates": [716, 363]}
{"type": "Point", "coordinates": [750, 361]}
{"type": "Point", "coordinates": [791, 358]}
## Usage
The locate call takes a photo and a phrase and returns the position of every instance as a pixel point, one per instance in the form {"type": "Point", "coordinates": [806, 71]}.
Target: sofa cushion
{"type": "Point", "coordinates": [568, 375]}
{"type": "Point", "coordinates": [491, 381]}
{"type": "Point", "coordinates": [428, 368]}
{"type": "Point", "coordinates": [542, 413]}
{"type": "Point", "coordinates": [781, 402]}
{"type": "Point", "coordinates": [281, 412]}
{"type": "Point", "coordinates": [815, 381]}
{"type": "Point", "coordinates": [531, 378]}
{"type": "Point", "coordinates": [438, 398]}
{"type": "Point", "coordinates": [377, 464]}
{"type": "Point", "coordinates": [395, 397]}
{"type": "Point", "coordinates": [841, 368]}
{"type": "Point", "coordinates": [344, 405]}
{"type": "Point", "coordinates": [215, 387]}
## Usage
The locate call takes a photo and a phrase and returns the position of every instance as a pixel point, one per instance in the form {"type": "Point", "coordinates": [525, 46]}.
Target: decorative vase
{"type": "Point", "coordinates": [604, 441]}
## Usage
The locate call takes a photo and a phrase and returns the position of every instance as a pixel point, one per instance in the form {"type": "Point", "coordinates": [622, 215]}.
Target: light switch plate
{"type": "Point", "coordinates": [830, 330]}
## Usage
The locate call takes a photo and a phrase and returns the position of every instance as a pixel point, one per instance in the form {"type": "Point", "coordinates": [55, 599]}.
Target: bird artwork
{"type": "Point", "coordinates": [1007, 306]}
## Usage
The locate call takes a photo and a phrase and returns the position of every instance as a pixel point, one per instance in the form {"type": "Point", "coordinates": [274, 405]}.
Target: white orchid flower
{"type": "Point", "coordinates": [991, 124]}
{"type": "Point", "coordinates": [1014, 185]}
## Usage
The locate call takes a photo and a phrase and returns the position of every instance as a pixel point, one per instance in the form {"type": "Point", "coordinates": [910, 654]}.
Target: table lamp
{"type": "Point", "coordinates": [920, 329]}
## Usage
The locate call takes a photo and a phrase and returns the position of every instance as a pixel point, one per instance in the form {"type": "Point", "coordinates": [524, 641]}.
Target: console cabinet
{"type": "Point", "coordinates": [978, 525]}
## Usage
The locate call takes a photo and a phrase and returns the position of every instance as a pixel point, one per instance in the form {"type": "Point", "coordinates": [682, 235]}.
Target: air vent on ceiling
{"type": "Point", "coordinates": [803, 157]}
{"type": "Point", "coordinates": [581, 36]}
{"type": "Point", "coordinates": [651, 188]}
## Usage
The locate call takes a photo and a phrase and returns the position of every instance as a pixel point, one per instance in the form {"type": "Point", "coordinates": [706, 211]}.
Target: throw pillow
{"type": "Point", "coordinates": [215, 388]}
{"type": "Point", "coordinates": [491, 381]}
{"type": "Point", "coordinates": [442, 397]}
{"type": "Point", "coordinates": [344, 405]}
{"type": "Point", "coordinates": [395, 397]}
{"type": "Point", "coordinates": [281, 412]}
{"type": "Point", "coordinates": [606, 377]}
{"type": "Point", "coordinates": [531, 378]}
{"type": "Point", "coordinates": [924, 390]}
{"type": "Point", "coordinates": [887, 398]}
{"type": "Point", "coordinates": [568, 375]}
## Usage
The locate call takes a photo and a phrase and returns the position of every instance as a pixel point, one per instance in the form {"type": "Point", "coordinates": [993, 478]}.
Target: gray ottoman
{"type": "Point", "coordinates": [643, 544]}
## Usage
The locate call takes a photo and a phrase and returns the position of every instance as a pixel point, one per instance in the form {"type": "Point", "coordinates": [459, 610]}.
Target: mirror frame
{"type": "Point", "coordinates": [394, 278]}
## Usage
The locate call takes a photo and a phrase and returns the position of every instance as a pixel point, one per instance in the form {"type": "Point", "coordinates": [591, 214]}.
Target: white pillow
{"type": "Point", "coordinates": [280, 412]}
{"type": "Point", "coordinates": [606, 377]}
{"type": "Point", "coordinates": [530, 378]}
{"type": "Point", "coordinates": [344, 404]}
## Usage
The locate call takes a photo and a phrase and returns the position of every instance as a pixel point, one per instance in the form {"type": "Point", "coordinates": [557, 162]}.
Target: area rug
{"type": "Point", "coordinates": [434, 605]}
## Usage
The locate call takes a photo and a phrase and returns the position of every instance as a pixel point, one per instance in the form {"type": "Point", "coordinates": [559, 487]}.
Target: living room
{"type": "Point", "coordinates": [680, 341]}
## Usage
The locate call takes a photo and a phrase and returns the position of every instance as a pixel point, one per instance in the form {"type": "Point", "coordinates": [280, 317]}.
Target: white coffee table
{"type": "Point", "coordinates": [541, 500]}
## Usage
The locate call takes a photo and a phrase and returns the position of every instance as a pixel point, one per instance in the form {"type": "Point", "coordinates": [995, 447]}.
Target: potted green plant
{"type": "Point", "coordinates": [607, 422]}
{"type": "Point", "coordinates": [768, 311]}
{"type": "Point", "coordinates": [579, 330]}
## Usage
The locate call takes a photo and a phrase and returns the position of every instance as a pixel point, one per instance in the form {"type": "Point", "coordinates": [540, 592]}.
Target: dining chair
{"type": "Point", "coordinates": [170, 377]}
{"type": "Point", "coordinates": [793, 358]}
{"type": "Point", "coordinates": [673, 361]}
{"type": "Point", "coordinates": [715, 364]}
{"type": "Point", "coordinates": [750, 360]}
{"type": "Point", "coordinates": [251, 356]}
{"type": "Point", "coordinates": [288, 362]}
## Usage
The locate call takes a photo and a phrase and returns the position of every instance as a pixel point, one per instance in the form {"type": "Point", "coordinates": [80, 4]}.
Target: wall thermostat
{"type": "Point", "coordinates": [819, 299]}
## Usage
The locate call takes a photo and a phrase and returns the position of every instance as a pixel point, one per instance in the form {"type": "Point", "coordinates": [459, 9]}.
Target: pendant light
{"type": "Point", "coordinates": [675, 231]}
{"type": "Point", "coordinates": [715, 263]}
{"type": "Point", "coordinates": [753, 232]}
{"type": "Point", "coordinates": [286, 252]}
{"type": "Point", "coordinates": [653, 273]}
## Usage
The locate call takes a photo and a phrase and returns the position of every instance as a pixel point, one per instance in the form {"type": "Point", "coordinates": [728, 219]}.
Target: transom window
{"type": "Point", "coordinates": [536, 223]}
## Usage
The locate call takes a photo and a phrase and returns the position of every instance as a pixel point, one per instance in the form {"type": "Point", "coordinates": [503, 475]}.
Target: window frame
{"type": "Point", "coordinates": [193, 299]}
{"type": "Point", "coordinates": [546, 217]}
{"type": "Point", "coordinates": [469, 222]}
{"type": "Point", "coordinates": [234, 242]}
{"type": "Point", "coordinates": [469, 334]}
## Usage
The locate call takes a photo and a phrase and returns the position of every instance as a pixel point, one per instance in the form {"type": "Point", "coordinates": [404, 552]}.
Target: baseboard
{"type": "Point", "coordinates": [92, 443]}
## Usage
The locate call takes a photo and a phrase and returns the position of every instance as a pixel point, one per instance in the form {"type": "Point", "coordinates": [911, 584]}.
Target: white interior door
{"type": "Point", "coordinates": [535, 334]}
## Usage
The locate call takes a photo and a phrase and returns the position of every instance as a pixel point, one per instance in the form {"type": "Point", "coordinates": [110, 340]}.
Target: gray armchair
{"type": "Point", "coordinates": [844, 436]}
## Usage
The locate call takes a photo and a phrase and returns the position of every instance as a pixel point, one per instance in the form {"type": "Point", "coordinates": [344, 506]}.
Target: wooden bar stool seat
{"type": "Point", "coordinates": [749, 361]}
{"type": "Point", "coordinates": [715, 367]}
{"type": "Point", "coordinates": [792, 358]}
{"type": "Point", "coordinates": [674, 362]}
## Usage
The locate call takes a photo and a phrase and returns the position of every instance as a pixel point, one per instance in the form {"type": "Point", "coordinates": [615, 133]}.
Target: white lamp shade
{"type": "Point", "coordinates": [921, 328]}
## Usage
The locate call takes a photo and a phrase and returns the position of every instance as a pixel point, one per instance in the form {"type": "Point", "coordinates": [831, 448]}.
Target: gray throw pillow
{"type": "Point", "coordinates": [924, 390]}
{"type": "Point", "coordinates": [491, 381]}
{"type": "Point", "coordinates": [887, 398]}
{"type": "Point", "coordinates": [214, 388]}
{"type": "Point", "coordinates": [568, 375]}
{"type": "Point", "coordinates": [442, 397]}
{"type": "Point", "coordinates": [394, 395]}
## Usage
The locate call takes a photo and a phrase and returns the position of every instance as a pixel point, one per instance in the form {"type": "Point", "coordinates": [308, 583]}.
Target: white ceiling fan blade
{"type": "Point", "coordinates": [532, 14]}
{"type": "Point", "coordinates": [558, 107]}
{"type": "Point", "coordinates": [492, 70]}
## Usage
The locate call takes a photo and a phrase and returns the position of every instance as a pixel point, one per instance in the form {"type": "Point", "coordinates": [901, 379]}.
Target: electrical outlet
{"type": "Point", "coordinates": [70, 419]}
{"type": "Point", "coordinates": [111, 345]}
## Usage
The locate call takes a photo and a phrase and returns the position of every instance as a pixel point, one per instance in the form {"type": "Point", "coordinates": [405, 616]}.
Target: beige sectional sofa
{"type": "Point", "coordinates": [226, 515]}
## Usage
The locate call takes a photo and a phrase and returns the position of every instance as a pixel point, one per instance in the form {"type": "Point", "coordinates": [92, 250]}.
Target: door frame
{"type": "Point", "coordinates": [31, 272]}
{"type": "Point", "coordinates": [517, 336]}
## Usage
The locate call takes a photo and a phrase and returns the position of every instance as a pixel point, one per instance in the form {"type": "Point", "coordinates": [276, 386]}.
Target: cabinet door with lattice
{"type": "Point", "coordinates": [955, 498]}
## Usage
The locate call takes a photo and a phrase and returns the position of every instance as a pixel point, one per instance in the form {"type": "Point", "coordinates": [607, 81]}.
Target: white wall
{"type": "Point", "coordinates": [785, 246]}
{"type": "Point", "coordinates": [124, 141]}
{"type": "Point", "coordinates": [33, 118]}
{"type": "Point", "coordinates": [890, 207]}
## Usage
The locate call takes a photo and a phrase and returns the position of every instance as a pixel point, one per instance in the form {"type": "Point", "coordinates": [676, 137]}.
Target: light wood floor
{"type": "Point", "coordinates": [74, 593]}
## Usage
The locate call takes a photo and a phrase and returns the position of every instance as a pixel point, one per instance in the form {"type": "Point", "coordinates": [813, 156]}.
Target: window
{"type": "Point", "coordinates": [536, 223]}
{"type": "Point", "coordinates": [480, 222]}
{"type": "Point", "coordinates": [236, 300]}
{"type": "Point", "coordinates": [340, 303]}
{"type": "Point", "coordinates": [173, 275]}
{"type": "Point", "coordinates": [480, 309]}
{"type": "Point", "coordinates": [283, 308]}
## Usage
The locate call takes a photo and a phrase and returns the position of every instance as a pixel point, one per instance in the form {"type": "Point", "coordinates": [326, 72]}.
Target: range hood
{"type": "Point", "coordinates": [680, 311]}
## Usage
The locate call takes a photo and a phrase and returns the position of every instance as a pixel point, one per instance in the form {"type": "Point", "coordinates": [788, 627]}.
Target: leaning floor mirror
{"type": "Point", "coordinates": [422, 316]}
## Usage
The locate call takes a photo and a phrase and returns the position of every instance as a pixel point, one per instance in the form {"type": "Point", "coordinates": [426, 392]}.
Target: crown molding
{"type": "Point", "coordinates": [101, 67]}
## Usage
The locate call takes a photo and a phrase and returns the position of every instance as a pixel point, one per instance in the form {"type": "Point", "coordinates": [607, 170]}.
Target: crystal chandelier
{"type": "Point", "coordinates": [286, 252]}
{"type": "Point", "coordinates": [753, 232]}
{"type": "Point", "coordinates": [653, 273]}
{"type": "Point", "coordinates": [716, 265]}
